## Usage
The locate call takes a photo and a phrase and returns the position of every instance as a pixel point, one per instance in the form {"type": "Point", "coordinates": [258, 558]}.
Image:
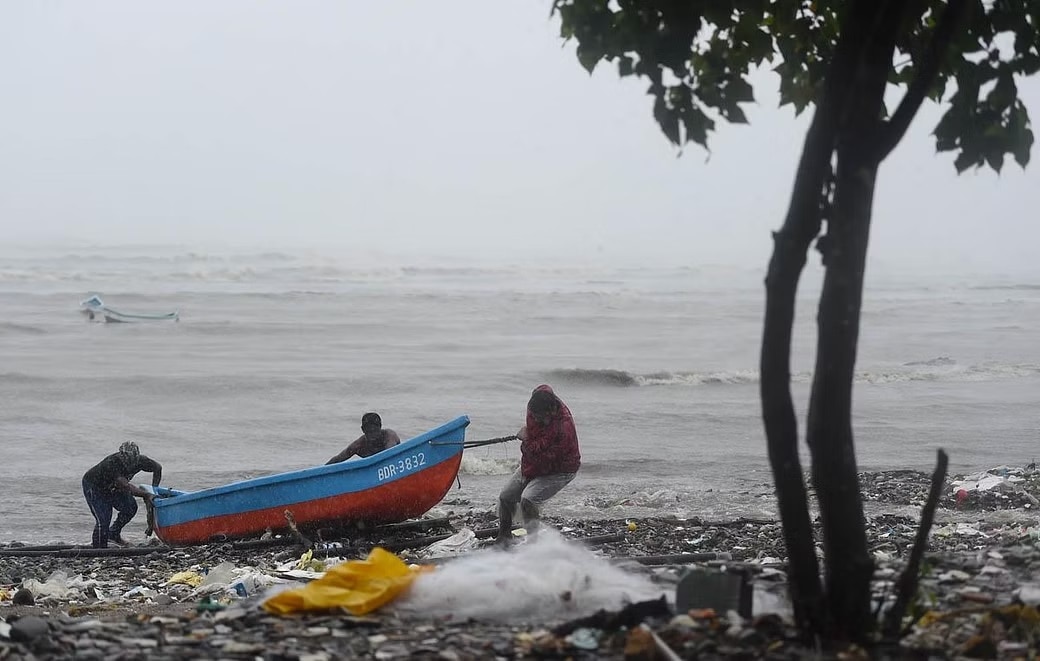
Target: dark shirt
{"type": "Point", "coordinates": [104, 476]}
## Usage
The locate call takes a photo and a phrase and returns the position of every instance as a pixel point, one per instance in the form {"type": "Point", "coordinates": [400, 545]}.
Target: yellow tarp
{"type": "Point", "coordinates": [360, 586]}
{"type": "Point", "coordinates": [191, 578]}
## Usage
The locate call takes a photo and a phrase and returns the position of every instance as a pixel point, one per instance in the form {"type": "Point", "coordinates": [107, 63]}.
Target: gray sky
{"type": "Point", "coordinates": [416, 128]}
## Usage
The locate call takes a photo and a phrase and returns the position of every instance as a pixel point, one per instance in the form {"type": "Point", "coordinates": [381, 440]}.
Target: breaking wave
{"type": "Point", "coordinates": [941, 368]}
{"type": "Point", "coordinates": [611, 377]}
{"type": "Point", "coordinates": [487, 466]}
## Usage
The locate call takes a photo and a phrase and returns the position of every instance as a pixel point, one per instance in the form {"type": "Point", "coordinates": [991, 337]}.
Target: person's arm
{"type": "Point", "coordinates": [347, 452]}
{"type": "Point", "coordinates": [125, 485]}
{"type": "Point", "coordinates": [522, 434]}
{"type": "Point", "coordinates": [392, 438]}
{"type": "Point", "coordinates": [152, 466]}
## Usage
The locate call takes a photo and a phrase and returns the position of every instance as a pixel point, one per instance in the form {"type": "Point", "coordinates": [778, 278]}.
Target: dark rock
{"type": "Point", "coordinates": [720, 590]}
{"type": "Point", "coordinates": [28, 628]}
{"type": "Point", "coordinates": [23, 597]}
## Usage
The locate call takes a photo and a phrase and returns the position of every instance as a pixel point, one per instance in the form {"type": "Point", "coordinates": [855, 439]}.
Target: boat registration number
{"type": "Point", "coordinates": [404, 465]}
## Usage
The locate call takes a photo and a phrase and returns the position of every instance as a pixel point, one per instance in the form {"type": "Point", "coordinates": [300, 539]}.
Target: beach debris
{"type": "Point", "coordinates": [463, 541]}
{"type": "Point", "coordinates": [584, 638]}
{"type": "Point", "coordinates": [358, 586]}
{"type": "Point", "coordinates": [547, 576]}
{"type": "Point", "coordinates": [58, 586]}
{"type": "Point", "coordinates": [190, 578]}
{"type": "Point", "coordinates": [719, 590]}
{"type": "Point", "coordinates": [993, 604]}
{"type": "Point", "coordinates": [308, 562]}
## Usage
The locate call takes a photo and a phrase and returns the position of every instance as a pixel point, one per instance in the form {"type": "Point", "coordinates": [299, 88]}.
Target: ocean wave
{"type": "Point", "coordinates": [23, 329]}
{"type": "Point", "coordinates": [1022, 286]}
{"type": "Point", "coordinates": [941, 368]}
{"type": "Point", "coordinates": [950, 372]}
{"type": "Point", "coordinates": [487, 466]}
{"type": "Point", "coordinates": [660, 499]}
{"type": "Point", "coordinates": [939, 361]}
{"type": "Point", "coordinates": [19, 377]}
{"type": "Point", "coordinates": [613, 377]}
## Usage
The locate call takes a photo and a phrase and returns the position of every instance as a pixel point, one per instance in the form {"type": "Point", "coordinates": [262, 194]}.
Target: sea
{"type": "Point", "coordinates": [277, 355]}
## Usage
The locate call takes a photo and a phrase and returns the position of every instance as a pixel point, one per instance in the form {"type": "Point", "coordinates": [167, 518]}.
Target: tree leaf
{"type": "Point", "coordinates": [995, 158]}
{"type": "Point", "coordinates": [589, 56]}
{"type": "Point", "coordinates": [735, 115]}
{"type": "Point", "coordinates": [964, 161]}
{"type": "Point", "coordinates": [668, 120]}
{"type": "Point", "coordinates": [625, 67]}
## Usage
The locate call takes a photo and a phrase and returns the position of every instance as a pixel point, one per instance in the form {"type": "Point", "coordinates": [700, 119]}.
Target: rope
{"type": "Point", "coordinates": [477, 444]}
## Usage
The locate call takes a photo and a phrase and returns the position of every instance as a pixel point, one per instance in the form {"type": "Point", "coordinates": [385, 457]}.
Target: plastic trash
{"type": "Point", "coordinates": [359, 586]}
{"type": "Point", "coordinates": [251, 582]}
{"type": "Point", "coordinates": [59, 586]}
{"type": "Point", "coordinates": [147, 593]}
{"type": "Point", "coordinates": [308, 562]}
{"type": "Point", "coordinates": [194, 579]}
{"type": "Point", "coordinates": [585, 638]}
{"type": "Point", "coordinates": [233, 581]}
{"type": "Point", "coordinates": [1029, 594]}
{"type": "Point", "coordinates": [461, 542]}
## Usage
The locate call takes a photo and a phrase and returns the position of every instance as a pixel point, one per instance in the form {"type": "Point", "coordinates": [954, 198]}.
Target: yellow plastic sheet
{"type": "Point", "coordinates": [360, 586]}
{"type": "Point", "coordinates": [194, 579]}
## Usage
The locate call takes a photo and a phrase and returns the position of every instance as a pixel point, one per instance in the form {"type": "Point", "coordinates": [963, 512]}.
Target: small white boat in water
{"type": "Point", "coordinates": [96, 310]}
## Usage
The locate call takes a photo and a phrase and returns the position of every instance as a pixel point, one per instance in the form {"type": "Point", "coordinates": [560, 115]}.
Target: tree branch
{"type": "Point", "coordinates": [907, 584]}
{"type": "Point", "coordinates": [894, 129]}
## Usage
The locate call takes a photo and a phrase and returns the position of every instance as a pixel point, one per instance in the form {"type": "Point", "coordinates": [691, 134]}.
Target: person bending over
{"type": "Point", "coordinates": [107, 487]}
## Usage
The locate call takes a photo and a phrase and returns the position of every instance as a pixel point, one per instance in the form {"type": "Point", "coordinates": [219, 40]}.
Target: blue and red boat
{"type": "Point", "coordinates": [400, 483]}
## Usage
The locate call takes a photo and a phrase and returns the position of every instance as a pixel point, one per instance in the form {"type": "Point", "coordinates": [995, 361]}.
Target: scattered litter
{"type": "Point", "coordinates": [463, 541]}
{"type": "Point", "coordinates": [359, 586]}
{"type": "Point", "coordinates": [59, 587]}
{"type": "Point", "coordinates": [546, 577]}
{"type": "Point", "coordinates": [194, 579]}
{"type": "Point", "coordinates": [584, 638]}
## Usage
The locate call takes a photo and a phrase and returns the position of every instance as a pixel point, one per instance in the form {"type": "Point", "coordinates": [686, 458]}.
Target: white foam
{"type": "Point", "coordinates": [546, 578]}
{"type": "Point", "coordinates": [487, 466]}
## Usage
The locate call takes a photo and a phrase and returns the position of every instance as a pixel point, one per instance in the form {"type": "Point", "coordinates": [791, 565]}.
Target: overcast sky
{"type": "Point", "coordinates": [416, 128]}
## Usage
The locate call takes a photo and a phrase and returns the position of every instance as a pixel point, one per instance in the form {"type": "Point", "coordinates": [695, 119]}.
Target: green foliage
{"type": "Point", "coordinates": [697, 56]}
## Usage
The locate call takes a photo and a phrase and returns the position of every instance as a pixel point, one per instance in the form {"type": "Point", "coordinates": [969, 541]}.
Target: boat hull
{"type": "Point", "coordinates": [402, 482]}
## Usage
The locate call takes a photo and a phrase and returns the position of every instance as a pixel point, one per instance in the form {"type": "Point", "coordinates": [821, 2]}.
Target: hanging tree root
{"type": "Point", "coordinates": [907, 585]}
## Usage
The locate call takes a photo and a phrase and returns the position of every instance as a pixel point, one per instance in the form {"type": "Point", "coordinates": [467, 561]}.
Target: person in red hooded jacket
{"type": "Point", "coordinates": [549, 461]}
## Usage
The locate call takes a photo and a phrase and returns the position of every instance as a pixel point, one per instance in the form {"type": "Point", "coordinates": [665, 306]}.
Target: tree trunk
{"type": "Point", "coordinates": [791, 243]}
{"type": "Point", "coordinates": [849, 565]}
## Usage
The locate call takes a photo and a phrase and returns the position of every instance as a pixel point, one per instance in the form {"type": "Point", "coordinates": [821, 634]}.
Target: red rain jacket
{"type": "Point", "coordinates": [551, 448]}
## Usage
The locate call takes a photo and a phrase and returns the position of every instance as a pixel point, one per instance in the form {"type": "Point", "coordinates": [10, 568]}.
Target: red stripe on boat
{"type": "Point", "coordinates": [401, 499]}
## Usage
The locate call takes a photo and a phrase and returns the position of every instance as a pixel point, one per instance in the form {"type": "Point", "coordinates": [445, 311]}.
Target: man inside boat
{"type": "Point", "coordinates": [549, 461]}
{"type": "Point", "coordinates": [107, 487]}
{"type": "Point", "coordinates": [374, 439]}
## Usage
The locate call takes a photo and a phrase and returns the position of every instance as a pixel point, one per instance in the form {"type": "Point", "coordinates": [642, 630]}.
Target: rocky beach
{"type": "Point", "coordinates": [978, 594]}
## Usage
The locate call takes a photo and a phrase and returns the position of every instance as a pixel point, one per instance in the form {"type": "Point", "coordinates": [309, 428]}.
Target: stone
{"type": "Point", "coordinates": [23, 597]}
{"type": "Point", "coordinates": [29, 628]}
